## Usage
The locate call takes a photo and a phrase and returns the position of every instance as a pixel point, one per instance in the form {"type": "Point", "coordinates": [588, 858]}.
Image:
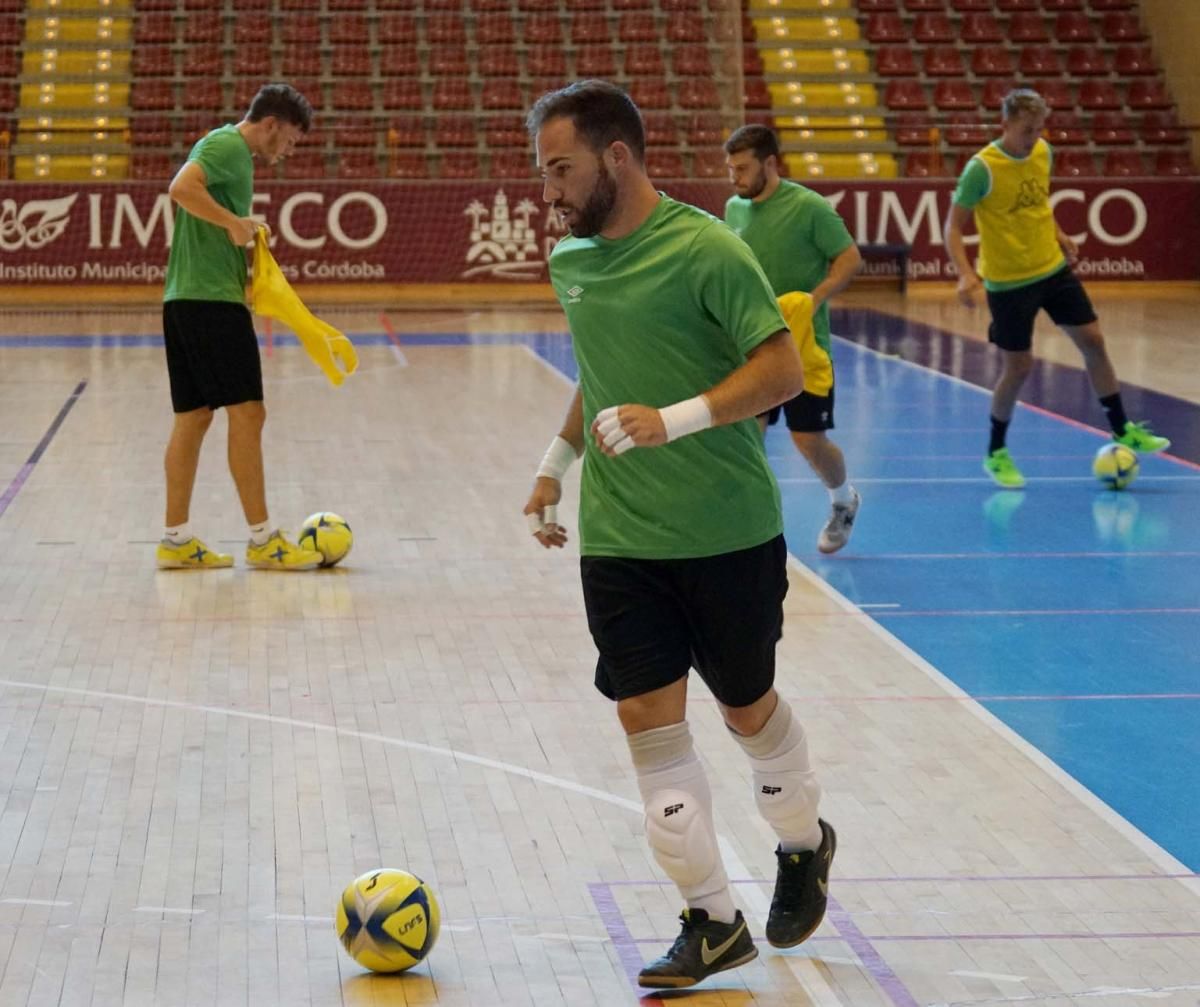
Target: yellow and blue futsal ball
{"type": "Point", "coordinates": [329, 534]}
{"type": "Point", "coordinates": [1115, 465]}
{"type": "Point", "coordinates": [388, 920]}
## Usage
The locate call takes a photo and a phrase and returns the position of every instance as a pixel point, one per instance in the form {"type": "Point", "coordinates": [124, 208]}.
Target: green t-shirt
{"type": "Point", "coordinates": [795, 234]}
{"type": "Point", "coordinates": [974, 184]}
{"type": "Point", "coordinates": [658, 316]}
{"type": "Point", "coordinates": [204, 265]}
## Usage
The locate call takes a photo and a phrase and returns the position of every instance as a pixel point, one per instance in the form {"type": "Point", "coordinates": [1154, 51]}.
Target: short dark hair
{"type": "Point", "coordinates": [601, 112]}
{"type": "Point", "coordinates": [759, 139]}
{"type": "Point", "coordinates": [1023, 101]}
{"type": "Point", "coordinates": [283, 102]}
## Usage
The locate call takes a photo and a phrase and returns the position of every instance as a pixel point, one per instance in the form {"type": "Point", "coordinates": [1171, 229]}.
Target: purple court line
{"type": "Point", "coordinates": [14, 487]}
{"type": "Point", "coordinates": [865, 952]}
{"type": "Point", "coordinates": [1115, 554]}
{"type": "Point", "coordinates": [926, 878]}
{"type": "Point", "coordinates": [1023, 612]}
{"type": "Point", "coordinates": [627, 951]}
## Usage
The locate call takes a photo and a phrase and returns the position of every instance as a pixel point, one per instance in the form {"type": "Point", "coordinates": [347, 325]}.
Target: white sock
{"type": "Point", "coordinates": [179, 534]}
{"type": "Point", "coordinates": [260, 534]}
{"type": "Point", "coordinates": [679, 825]}
{"type": "Point", "coordinates": [843, 494]}
{"type": "Point", "coordinates": [785, 786]}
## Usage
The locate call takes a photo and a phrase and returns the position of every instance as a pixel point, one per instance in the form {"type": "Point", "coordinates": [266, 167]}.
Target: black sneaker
{"type": "Point", "coordinates": [703, 947]}
{"type": "Point", "coordinates": [801, 889]}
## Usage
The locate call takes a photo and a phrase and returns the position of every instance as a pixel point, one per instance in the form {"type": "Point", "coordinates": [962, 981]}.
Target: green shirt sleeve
{"type": "Point", "coordinates": [973, 184]}
{"type": "Point", "coordinates": [829, 230]}
{"type": "Point", "coordinates": [731, 286]}
{"type": "Point", "coordinates": [217, 155]}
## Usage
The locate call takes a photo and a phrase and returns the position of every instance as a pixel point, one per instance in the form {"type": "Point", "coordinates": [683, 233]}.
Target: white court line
{"type": "Point", "coordinates": [289, 918]}
{"type": "Point", "coordinates": [991, 976]}
{"type": "Point", "coordinates": [33, 902]}
{"type": "Point", "coordinates": [168, 909]}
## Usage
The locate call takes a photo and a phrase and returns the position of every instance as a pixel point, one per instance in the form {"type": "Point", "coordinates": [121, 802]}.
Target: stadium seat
{"type": "Point", "coordinates": [981, 29]}
{"type": "Point", "coordinates": [755, 93]}
{"type": "Point", "coordinates": [709, 163]}
{"type": "Point", "coordinates": [929, 29]}
{"type": "Point", "coordinates": [1071, 26]}
{"type": "Point", "coordinates": [1148, 92]}
{"type": "Point", "coordinates": [358, 164]}
{"type": "Point", "coordinates": [408, 165]}
{"type": "Point", "coordinates": [919, 6]}
{"type": "Point", "coordinates": [691, 61]}
{"type": "Point", "coordinates": [665, 164]}
{"type": "Point", "coordinates": [354, 133]}
{"type": "Point", "coordinates": [147, 29]}
{"type": "Point", "coordinates": [353, 95]}
{"type": "Point", "coordinates": [152, 95]}
{"type": "Point", "coordinates": [1098, 94]}
{"type": "Point", "coordinates": [683, 27]}
{"type": "Point", "coordinates": [595, 61]}
{"type": "Point", "coordinates": [951, 95]}
{"type": "Point", "coordinates": [944, 61]}
{"type": "Point", "coordinates": [495, 29]}
{"type": "Point", "coordinates": [546, 61]}
{"type": "Point", "coordinates": [1112, 128]}
{"type": "Point", "coordinates": [542, 29]}
{"type": "Point", "coordinates": [704, 129]}
{"type": "Point", "coordinates": [895, 61]}
{"type": "Point", "coordinates": [991, 61]}
{"type": "Point", "coordinates": [637, 26]}
{"type": "Point", "coordinates": [1107, 5]}
{"type": "Point", "coordinates": [1134, 61]}
{"type": "Point", "coordinates": [1056, 93]}
{"type": "Point", "coordinates": [1074, 164]}
{"type": "Point", "coordinates": [203, 26]}
{"type": "Point", "coordinates": [1124, 164]}
{"type": "Point", "coordinates": [905, 94]}
{"type": "Point", "coordinates": [1066, 129]}
{"type": "Point", "coordinates": [661, 130]}
{"type": "Point", "coordinates": [452, 94]}
{"type": "Point", "coordinates": [407, 131]}
{"type": "Point", "coordinates": [1086, 61]}
{"type": "Point", "coordinates": [968, 6]}
{"type": "Point", "coordinates": [459, 164]}
{"type": "Point", "coordinates": [301, 61]}
{"type": "Point", "coordinates": [489, 5]}
{"type": "Point", "coordinates": [511, 164]}
{"type": "Point", "coordinates": [150, 131]}
{"type": "Point", "coordinates": [1037, 60]}
{"type": "Point", "coordinates": [500, 94]}
{"type": "Point", "coordinates": [912, 129]}
{"type": "Point", "coordinates": [301, 30]}
{"type": "Point", "coordinates": [994, 91]}
{"type": "Point", "coordinates": [445, 28]}
{"type": "Point", "coordinates": [395, 27]}
{"type": "Point", "coordinates": [1161, 127]}
{"type": "Point", "coordinates": [1009, 6]}
{"type": "Point", "coordinates": [400, 59]}
{"type": "Point", "coordinates": [926, 164]}
{"type": "Point", "coordinates": [150, 165]}
{"type": "Point", "coordinates": [252, 61]}
{"type": "Point", "coordinates": [871, 6]}
{"type": "Point", "coordinates": [680, 5]}
{"type": "Point", "coordinates": [535, 6]}
{"type": "Point", "coordinates": [251, 29]}
{"type": "Point", "coordinates": [589, 27]}
{"type": "Point", "coordinates": [153, 61]}
{"type": "Point", "coordinates": [650, 92]}
{"type": "Point", "coordinates": [966, 129]}
{"type": "Point", "coordinates": [620, 5]}
{"type": "Point", "coordinates": [449, 60]}
{"type": "Point", "coordinates": [402, 92]}
{"type": "Point", "coordinates": [349, 28]}
{"type": "Point", "coordinates": [643, 61]}
{"type": "Point", "coordinates": [698, 92]}
{"type": "Point", "coordinates": [443, 6]}
{"type": "Point", "coordinates": [304, 164]}
{"type": "Point", "coordinates": [885, 27]}
{"type": "Point", "coordinates": [244, 90]}
{"type": "Point", "coordinates": [1118, 27]}
{"type": "Point", "coordinates": [455, 131]}
{"type": "Point", "coordinates": [351, 60]}
{"type": "Point", "coordinates": [1053, 5]}
{"type": "Point", "coordinates": [203, 61]}
{"type": "Point", "coordinates": [1027, 27]}
{"type": "Point", "coordinates": [499, 60]}
{"type": "Point", "coordinates": [1173, 162]}
{"type": "Point", "coordinates": [505, 131]}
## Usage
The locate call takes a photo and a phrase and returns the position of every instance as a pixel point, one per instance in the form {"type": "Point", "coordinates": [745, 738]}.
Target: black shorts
{"type": "Point", "coordinates": [805, 414]}
{"type": "Point", "coordinates": [212, 354]}
{"type": "Point", "coordinates": [1013, 311]}
{"type": "Point", "coordinates": [652, 620]}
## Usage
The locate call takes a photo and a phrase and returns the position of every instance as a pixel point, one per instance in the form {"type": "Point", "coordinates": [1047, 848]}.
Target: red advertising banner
{"type": "Point", "coordinates": [450, 232]}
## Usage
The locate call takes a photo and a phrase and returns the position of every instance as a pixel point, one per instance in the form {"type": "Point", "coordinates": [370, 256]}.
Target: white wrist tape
{"type": "Point", "coordinates": [687, 417]}
{"type": "Point", "coordinates": [558, 458]}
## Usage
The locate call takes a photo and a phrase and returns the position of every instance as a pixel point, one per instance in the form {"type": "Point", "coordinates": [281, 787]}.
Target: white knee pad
{"type": "Point", "coordinates": [788, 801]}
{"type": "Point", "coordinates": [681, 834]}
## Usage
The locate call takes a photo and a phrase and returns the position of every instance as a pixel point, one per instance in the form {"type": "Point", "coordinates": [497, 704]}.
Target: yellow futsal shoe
{"type": "Point", "coordinates": [191, 555]}
{"type": "Point", "coordinates": [277, 553]}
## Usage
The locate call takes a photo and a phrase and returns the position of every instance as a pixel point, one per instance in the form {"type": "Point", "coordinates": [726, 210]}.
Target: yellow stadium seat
{"type": "Point", "coordinates": [801, 166]}
{"type": "Point", "coordinates": [803, 61]}
{"type": "Point", "coordinates": [848, 95]}
{"type": "Point", "coordinates": [806, 29]}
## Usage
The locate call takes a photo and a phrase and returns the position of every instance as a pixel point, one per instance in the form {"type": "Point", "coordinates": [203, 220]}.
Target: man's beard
{"type": "Point", "coordinates": [754, 190]}
{"type": "Point", "coordinates": [593, 215]}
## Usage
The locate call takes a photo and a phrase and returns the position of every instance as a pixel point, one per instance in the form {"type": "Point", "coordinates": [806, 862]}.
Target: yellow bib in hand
{"type": "Point", "coordinates": [272, 295]}
{"type": "Point", "coordinates": [797, 308]}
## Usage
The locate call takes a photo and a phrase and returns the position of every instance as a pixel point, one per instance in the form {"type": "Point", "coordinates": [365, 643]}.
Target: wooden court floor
{"type": "Point", "coordinates": [193, 765]}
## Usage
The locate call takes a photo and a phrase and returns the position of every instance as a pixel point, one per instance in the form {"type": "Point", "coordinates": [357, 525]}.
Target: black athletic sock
{"type": "Point", "coordinates": [999, 432]}
{"type": "Point", "coordinates": [1116, 412]}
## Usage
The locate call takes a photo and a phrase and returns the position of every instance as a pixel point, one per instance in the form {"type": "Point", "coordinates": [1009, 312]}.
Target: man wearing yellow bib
{"type": "Point", "coordinates": [1024, 266]}
{"type": "Point", "coordinates": [802, 245]}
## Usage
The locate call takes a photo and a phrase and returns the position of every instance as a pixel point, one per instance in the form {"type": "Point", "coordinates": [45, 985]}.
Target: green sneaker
{"type": "Point", "coordinates": [1003, 470]}
{"type": "Point", "coordinates": [1140, 437]}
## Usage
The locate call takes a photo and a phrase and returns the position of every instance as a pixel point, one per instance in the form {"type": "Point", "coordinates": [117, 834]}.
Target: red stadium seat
{"type": "Point", "coordinates": [589, 27]}
{"type": "Point", "coordinates": [650, 92]}
{"type": "Point", "coordinates": [252, 61]}
{"type": "Point", "coordinates": [542, 29]}
{"type": "Point", "coordinates": [301, 61]}
{"type": "Point", "coordinates": [885, 27]}
{"type": "Point", "coordinates": [595, 61]}
{"type": "Point", "coordinates": [511, 164]}
{"type": "Point", "coordinates": [301, 29]}
{"type": "Point", "coordinates": [445, 28]}
{"type": "Point", "coordinates": [203, 61]}
{"type": "Point", "coordinates": [1173, 162]}
{"type": "Point", "coordinates": [683, 27]}
{"type": "Point", "coordinates": [402, 92]}
{"type": "Point", "coordinates": [452, 94]}
{"type": "Point", "coordinates": [1074, 164]}
{"type": "Point", "coordinates": [905, 94]}
{"type": "Point", "coordinates": [895, 61]}
{"type": "Point", "coordinates": [991, 61]}
{"type": "Point", "coordinates": [147, 29]}
{"type": "Point", "coordinates": [407, 131]}
{"type": "Point", "coordinates": [449, 60]}
{"type": "Point", "coordinates": [150, 131]}
{"type": "Point", "coordinates": [455, 131]}
{"type": "Point", "coordinates": [1056, 93]}
{"type": "Point", "coordinates": [459, 164]}
{"type": "Point", "coordinates": [979, 29]}
{"type": "Point", "coordinates": [1071, 26]}
{"type": "Point", "coordinates": [691, 61]}
{"type": "Point", "coordinates": [913, 129]}
{"type": "Point", "coordinates": [546, 61]}
{"type": "Point", "coordinates": [966, 129]}
{"type": "Point", "coordinates": [704, 129]}
{"type": "Point", "coordinates": [755, 93]}
{"type": "Point", "coordinates": [353, 95]}
{"type": "Point", "coordinates": [1026, 27]}
{"type": "Point", "coordinates": [918, 6]}
{"type": "Point", "coordinates": [349, 28]}
{"type": "Point", "coordinates": [203, 26]}
{"type": "Point", "coordinates": [661, 130]}
{"type": "Point", "coordinates": [1037, 60]}
{"type": "Point", "coordinates": [1008, 6]}
{"type": "Point", "coordinates": [698, 92]}
{"type": "Point", "coordinates": [501, 93]}
{"type": "Point", "coordinates": [499, 60]}
{"type": "Point", "coordinates": [1106, 5]}
{"type": "Point", "coordinates": [933, 28]}
{"type": "Point", "coordinates": [952, 95]}
{"type": "Point", "coordinates": [351, 60]}
{"type": "Point", "coordinates": [396, 28]}
{"type": "Point", "coordinates": [967, 6]}
{"type": "Point", "coordinates": [644, 60]}
{"type": "Point", "coordinates": [1124, 164]}
{"type": "Point", "coordinates": [400, 59]}
{"type": "Point", "coordinates": [1112, 128]}
{"type": "Point", "coordinates": [355, 133]}
{"type": "Point", "coordinates": [1134, 61]}
{"type": "Point", "coordinates": [358, 164]}
{"type": "Point", "coordinates": [251, 29]}
{"type": "Point", "coordinates": [944, 61]}
{"type": "Point", "coordinates": [506, 131]}
{"type": "Point", "coordinates": [1117, 27]}
{"type": "Point", "coordinates": [1161, 127]}
{"type": "Point", "coordinates": [408, 165]}
{"type": "Point", "coordinates": [153, 61]}
{"type": "Point", "coordinates": [150, 165]}
{"type": "Point", "coordinates": [1148, 93]}
{"type": "Point", "coordinates": [994, 91]}
{"type": "Point", "coordinates": [925, 164]}
{"type": "Point", "coordinates": [636, 26]}
{"type": "Point", "coordinates": [1053, 5]}
{"type": "Point", "coordinates": [203, 94]}
{"type": "Point", "coordinates": [1086, 61]}
{"type": "Point", "coordinates": [1098, 94]}
{"type": "Point", "coordinates": [870, 6]}
{"type": "Point", "coordinates": [307, 164]}
{"type": "Point", "coordinates": [709, 163]}
{"type": "Point", "coordinates": [495, 29]}
{"type": "Point", "coordinates": [665, 164]}
{"type": "Point", "coordinates": [1066, 129]}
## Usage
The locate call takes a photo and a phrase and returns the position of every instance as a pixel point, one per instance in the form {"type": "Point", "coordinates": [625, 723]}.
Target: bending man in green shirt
{"type": "Point", "coordinates": [680, 344]}
{"type": "Point", "coordinates": [802, 244]}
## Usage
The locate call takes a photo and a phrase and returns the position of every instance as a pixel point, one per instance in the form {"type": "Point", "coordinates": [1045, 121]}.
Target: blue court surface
{"type": "Point", "coordinates": [1069, 611]}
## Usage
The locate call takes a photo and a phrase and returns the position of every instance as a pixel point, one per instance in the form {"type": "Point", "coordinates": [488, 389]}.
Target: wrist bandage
{"type": "Point", "coordinates": [558, 458]}
{"type": "Point", "coordinates": [687, 417]}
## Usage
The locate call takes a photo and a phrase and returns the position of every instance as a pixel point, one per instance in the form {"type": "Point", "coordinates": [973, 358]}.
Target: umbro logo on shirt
{"type": "Point", "coordinates": [574, 293]}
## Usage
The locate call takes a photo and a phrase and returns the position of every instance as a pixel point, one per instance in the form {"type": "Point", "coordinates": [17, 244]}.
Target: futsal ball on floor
{"type": "Point", "coordinates": [1115, 465]}
{"type": "Point", "coordinates": [388, 920]}
{"type": "Point", "coordinates": [329, 534]}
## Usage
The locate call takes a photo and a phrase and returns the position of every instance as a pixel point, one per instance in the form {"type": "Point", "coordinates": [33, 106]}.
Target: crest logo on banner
{"type": "Point", "coordinates": [35, 224]}
{"type": "Point", "coordinates": [503, 241]}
